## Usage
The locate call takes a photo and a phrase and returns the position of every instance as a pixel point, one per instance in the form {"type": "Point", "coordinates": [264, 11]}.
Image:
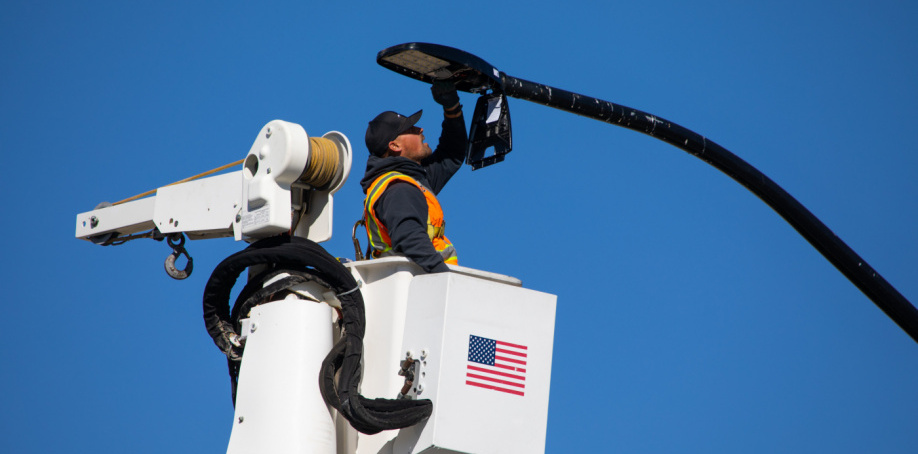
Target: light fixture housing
{"type": "Point", "coordinates": [429, 62]}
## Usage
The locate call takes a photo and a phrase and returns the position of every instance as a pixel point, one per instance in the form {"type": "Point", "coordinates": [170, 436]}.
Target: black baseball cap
{"type": "Point", "coordinates": [385, 128]}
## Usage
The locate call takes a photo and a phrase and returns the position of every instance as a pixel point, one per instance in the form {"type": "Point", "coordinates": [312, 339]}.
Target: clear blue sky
{"type": "Point", "coordinates": [691, 317]}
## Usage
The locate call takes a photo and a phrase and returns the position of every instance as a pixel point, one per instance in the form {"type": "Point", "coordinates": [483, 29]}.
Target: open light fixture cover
{"type": "Point", "coordinates": [490, 129]}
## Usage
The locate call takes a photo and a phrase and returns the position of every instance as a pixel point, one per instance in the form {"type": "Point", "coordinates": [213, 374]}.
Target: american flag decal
{"type": "Point", "coordinates": [496, 365]}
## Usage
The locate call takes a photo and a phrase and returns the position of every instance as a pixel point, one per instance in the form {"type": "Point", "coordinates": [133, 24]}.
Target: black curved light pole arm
{"type": "Point", "coordinates": [427, 62]}
{"type": "Point", "coordinates": [856, 269]}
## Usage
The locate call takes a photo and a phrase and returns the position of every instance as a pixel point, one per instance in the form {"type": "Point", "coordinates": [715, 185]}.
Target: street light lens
{"type": "Point", "coordinates": [429, 62]}
{"type": "Point", "coordinates": [420, 62]}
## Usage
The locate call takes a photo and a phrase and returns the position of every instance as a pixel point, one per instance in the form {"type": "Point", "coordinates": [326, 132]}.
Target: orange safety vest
{"type": "Point", "coordinates": [380, 243]}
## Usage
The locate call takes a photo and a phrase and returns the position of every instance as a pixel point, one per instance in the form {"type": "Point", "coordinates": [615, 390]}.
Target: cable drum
{"type": "Point", "coordinates": [323, 163]}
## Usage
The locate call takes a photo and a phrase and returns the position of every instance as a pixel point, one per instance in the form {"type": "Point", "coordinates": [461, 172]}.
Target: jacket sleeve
{"type": "Point", "coordinates": [449, 155]}
{"type": "Point", "coordinates": [403, 210]}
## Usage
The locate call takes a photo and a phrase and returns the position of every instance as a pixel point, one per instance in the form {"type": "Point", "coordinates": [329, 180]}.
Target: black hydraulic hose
{"type": "Point", "coordinates": [339, 378]}
{"type": "Point", "coordinates": [856, 269]}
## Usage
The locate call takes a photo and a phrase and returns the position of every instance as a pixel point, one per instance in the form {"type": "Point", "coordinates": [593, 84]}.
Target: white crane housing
{"type": "Point", "coordinates": [480, 344]}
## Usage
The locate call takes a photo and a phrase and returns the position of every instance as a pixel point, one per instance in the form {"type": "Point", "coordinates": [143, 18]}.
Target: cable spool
{"type": "Point", "coordinates": [288, 179]}
{"type": "Point", "coordinates": [323, 163]}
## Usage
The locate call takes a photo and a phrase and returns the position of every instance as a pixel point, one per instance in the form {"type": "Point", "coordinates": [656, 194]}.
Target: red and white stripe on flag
{"type": "Point", "coordinates": [496, 365]}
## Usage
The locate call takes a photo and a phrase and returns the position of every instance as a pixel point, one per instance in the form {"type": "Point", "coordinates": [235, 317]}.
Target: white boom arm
{"type": "Point", "coordinates": [270, 195]}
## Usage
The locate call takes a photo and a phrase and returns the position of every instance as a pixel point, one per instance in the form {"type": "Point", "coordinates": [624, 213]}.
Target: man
{"type": "Point", "coordinates": [404, 176]}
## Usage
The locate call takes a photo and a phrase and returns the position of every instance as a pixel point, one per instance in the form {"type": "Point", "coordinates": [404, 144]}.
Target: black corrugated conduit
{"type": "Point", "coordinates": [304, 260]}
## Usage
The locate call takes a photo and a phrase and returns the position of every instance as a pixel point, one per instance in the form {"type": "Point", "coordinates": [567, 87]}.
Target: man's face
{"type": "Point", "coordinates": [411, 144]}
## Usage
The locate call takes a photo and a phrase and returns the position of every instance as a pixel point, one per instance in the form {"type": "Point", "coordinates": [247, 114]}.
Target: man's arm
{"type": "Point", "coordinates": [403, 210]}
{"type": "Point", "coordinates": [449, 155]}
{"type": "Point", "coordinates": [451, 148]}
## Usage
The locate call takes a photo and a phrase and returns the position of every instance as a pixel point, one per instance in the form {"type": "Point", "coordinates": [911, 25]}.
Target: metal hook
{"type": "Point", "coordinates": [357, 254]}
{"type": "Point", "coordinates": [178, 249]}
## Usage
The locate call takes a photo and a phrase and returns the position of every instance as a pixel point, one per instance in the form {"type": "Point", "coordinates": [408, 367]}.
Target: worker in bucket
{"type": "Point", "coordinates": [403, 177]}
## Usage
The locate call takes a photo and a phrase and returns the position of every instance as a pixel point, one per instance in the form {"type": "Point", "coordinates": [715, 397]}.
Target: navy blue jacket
{"type": "Point", "coordinates": [402, 207]}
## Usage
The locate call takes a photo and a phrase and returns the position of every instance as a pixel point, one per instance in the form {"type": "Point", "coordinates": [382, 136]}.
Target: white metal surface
{"type": "Point", "coordinates": [127, 218]}
{"type": "Point", "coordinates": [479, 408]}
{"type": "Point", "coordinates": [274, 163]}
{"type": "Point", "coordinates": [253, 203]}
{"type": "Point", "coordinates": [277, 158]}
{"type": "Point", "coordinates": [402, 309]}
{"type": "Point", "coordinates": [204, 208]}
{"type": "Point", "coordinates": [278, 405]}
{"type": "Point", "coordinates": [384, 285]}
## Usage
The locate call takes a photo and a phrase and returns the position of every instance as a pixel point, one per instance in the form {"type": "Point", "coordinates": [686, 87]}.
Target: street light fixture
{"type": "Point", "coordinates": [428, 62]}
{"type": "Point", "coordinates": [490, 126]}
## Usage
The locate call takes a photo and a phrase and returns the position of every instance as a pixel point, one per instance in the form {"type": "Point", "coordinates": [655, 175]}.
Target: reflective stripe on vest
{"type": "Point", "coordinates": [380, 243]}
